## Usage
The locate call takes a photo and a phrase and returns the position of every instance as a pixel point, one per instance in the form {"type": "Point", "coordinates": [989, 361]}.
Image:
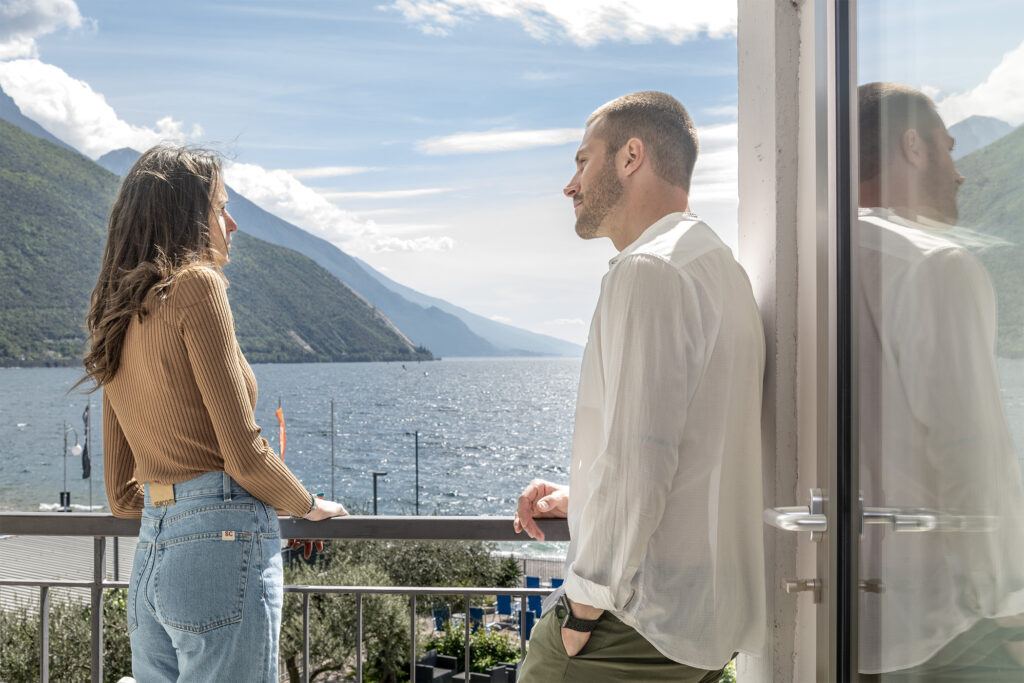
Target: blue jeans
{"type": "Point", "coordinates": [204, 601]}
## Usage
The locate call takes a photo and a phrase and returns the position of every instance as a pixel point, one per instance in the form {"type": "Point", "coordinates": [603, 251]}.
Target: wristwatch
{"type": "Point", "coordinates": [564, 612]}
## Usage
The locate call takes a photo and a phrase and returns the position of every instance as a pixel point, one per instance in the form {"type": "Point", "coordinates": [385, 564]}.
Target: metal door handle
{"type": "Point", "coordinates": [798, 518]}
{"type": "Point", "coordinates": [801, 518]}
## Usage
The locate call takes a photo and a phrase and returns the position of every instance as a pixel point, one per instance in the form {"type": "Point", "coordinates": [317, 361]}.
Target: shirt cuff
{"type": "Point", "coordinates": [589, 593]}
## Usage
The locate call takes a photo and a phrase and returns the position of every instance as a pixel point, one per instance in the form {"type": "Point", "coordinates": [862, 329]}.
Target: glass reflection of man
{"type": "Point", "coordinates": [936, 604]}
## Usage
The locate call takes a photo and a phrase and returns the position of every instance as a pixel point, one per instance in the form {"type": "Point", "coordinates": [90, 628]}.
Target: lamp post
{"type": "Point", "coordinates": [76, 450]}
{"type": "Point", "coordinates": [375, 475]}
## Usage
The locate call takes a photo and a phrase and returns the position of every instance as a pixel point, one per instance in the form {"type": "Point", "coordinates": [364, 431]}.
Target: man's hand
{"type": "Point", "coordinates": [540, 499]}
{"type": "Point", "coordinates": [573, 641]}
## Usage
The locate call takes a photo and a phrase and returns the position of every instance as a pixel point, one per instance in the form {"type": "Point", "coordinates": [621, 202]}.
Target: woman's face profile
{"type": "Point", "coordinates": [221, 226]}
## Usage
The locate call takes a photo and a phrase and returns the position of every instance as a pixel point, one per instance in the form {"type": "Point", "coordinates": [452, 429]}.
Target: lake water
{"type": "Point", "coordinates": [487, 426]}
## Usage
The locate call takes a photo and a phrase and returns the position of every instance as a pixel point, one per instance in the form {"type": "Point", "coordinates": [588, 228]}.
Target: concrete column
{"type": "Point", "coordinates": [776, 152]}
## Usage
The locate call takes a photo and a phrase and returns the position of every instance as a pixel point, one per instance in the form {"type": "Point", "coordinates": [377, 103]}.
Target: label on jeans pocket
{"type": "Point", "coordinates": [227, 535]}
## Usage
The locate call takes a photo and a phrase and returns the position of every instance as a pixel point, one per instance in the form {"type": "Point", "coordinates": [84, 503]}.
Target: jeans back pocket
{"type": "Point", "coordinates": [140, 568]}
{"type": "Point", "coordinates": [200, 579]}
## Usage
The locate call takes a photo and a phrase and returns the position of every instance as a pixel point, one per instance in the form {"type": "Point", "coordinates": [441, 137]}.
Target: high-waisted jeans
{"type": "Point", "coordinates": [204, 602]}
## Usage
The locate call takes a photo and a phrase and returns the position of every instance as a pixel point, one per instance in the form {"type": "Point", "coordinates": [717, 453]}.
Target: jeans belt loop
{"type": "Point", "coordinates": [227, 487]}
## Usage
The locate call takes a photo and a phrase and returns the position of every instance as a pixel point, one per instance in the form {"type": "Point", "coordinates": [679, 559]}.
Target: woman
{"type": "Point", "coordinates": [182, 449]}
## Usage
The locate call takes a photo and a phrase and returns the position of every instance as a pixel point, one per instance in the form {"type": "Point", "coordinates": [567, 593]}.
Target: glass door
{"type": "Point", "coordinates": [935, 343]}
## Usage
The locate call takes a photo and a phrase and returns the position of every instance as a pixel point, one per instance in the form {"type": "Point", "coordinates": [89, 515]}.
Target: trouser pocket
{"type": "Point", "coordinates": [200, 579]}
{"type": "Point", "coordinates": [140, 567]}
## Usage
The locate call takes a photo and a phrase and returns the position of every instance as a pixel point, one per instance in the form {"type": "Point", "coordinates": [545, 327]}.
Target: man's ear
{"type": "Point", "coordinates": [633, 156]}
{"type": "Point", "coordinates": [914, 148]}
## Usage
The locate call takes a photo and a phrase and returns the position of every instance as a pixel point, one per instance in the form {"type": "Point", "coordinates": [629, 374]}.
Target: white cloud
{"type": "Point", "coordinates": [715, 175]}
{"type": "Point", "coordinates": [74, 112]}
{"type": "Point", "coordinates": [282, 194]}
{"type": "Point", "coordinates": [21, 22]}
{"type": "Point", "coordinates": [585, 22]}
{"type": "Point", "coordinates": [498, 141]}
{"type": "Point", "coordinates": [384, 244]}
{"type": "Point", "coordinates": [729, 110]}
{"type": "Point", "coordinates": [386, 194]}
{"type": "Point", "coordinates": [330, 171]}
{"type": "Point", "coordinates": [575, 322]}
{"type": "Point", "coordinates": [1001, 95]}
{"type": "Point", "coordinates": [501, 319]}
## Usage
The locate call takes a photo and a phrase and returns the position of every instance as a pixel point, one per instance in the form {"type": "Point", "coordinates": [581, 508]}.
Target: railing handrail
{"type": "Point", "coordinates": [405, 527]}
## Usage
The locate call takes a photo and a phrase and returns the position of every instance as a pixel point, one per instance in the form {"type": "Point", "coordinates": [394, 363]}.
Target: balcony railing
{"type": "Point", "coordinates": [101, 526]}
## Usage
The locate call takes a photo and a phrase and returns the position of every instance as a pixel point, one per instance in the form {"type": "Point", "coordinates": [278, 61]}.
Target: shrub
{"type": "Point", "coordinates": [70, 657]}
{"type": "Point", "coordinates": [486, 649]}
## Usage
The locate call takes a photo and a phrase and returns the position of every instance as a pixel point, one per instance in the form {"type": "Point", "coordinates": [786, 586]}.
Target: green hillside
{"type": "Point", "coordinates": [53, 213]}
{"type": "Point", "coordinates": [992, 201]}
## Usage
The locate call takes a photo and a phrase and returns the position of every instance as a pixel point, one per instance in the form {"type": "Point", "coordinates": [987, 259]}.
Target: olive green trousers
{"type": "Point", "coordinates": [615, 652]}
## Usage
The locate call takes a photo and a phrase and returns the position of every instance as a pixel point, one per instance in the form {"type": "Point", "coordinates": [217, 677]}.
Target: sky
{"type": "Point", "coordinates": [432, 138]}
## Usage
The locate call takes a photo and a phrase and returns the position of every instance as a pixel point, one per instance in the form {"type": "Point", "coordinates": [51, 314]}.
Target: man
{"type": "Point", "coordinates": [939, 605]}
{"type": "Point", "coordinates": [665, 569]}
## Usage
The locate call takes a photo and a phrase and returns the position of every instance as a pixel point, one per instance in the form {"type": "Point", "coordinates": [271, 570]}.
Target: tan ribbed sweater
{"type": "Point", "coordinates": [181, 403]}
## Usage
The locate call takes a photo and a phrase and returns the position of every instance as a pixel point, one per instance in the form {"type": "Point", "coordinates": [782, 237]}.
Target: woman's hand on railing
{"type": "Point", "coordinates": [322, 509]}
{"type": "Point", "coordinates": [325, 509]}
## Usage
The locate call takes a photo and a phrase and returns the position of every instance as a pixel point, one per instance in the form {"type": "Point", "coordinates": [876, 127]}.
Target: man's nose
{"type": "Point", "coordinates": [572, 188]}
{"type": "Point", "coordinates": [960, 180]}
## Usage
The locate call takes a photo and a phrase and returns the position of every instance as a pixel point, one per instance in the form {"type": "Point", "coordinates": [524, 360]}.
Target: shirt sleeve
{"type": "Point", "coordinates": [652, 350]}
{"type": "Point", "coordinates": [124, 493]}
{"type": "Point", "coordinates": [208, 330]}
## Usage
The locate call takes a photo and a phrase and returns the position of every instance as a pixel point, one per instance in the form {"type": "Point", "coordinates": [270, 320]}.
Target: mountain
{"type": "Point", "coordinates": [119, 161]}
{"type": "Point", "coordinates": [440, 326]}
{"type": "Point", "coordinates": [992, 201]}
{"type": "Point", "coordinates": [976, 132]}
{"type": "Point", "coordinates": [503, 336]}
{"type": "Point", "coordinates": [54, 205]}
{"type": "Point", "coordinates": [9, 111]}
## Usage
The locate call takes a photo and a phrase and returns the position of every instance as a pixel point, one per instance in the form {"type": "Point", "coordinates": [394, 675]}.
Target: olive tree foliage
{"type": "Point", "coordinates": [70, 659]}
{"type": "Point", "coordinates": [332, 621]}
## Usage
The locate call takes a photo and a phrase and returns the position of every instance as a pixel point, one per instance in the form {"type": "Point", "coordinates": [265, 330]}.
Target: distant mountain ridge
{"type": "Point", "coordinates": [992, 201]}
{"type": "Point", "coordinates": [54, 204]}
{"type": "Point", "coordinates": [10, 112]}
{"type": "Point", "coordinates": [976, 132]}
{"type": "Point", "coordinates": [444, 328]}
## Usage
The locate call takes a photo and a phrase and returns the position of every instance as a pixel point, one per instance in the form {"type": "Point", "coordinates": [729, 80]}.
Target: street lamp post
{"type": "Point", "coordinates": [375, 475]}
{"type": "Point", "coordinates": [65, 495]}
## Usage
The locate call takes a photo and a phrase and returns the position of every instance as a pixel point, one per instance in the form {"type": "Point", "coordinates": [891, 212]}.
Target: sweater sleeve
{"type": "Point", "coordinates": [124, 493]}
{"type": "Point", "coordinates": [206, 325]}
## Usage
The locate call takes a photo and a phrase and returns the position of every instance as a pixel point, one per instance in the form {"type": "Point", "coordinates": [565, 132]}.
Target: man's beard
{"type": "Point", "coordinates": [943, 200]}
{"type": "Point", "coordinates": [598, 201]}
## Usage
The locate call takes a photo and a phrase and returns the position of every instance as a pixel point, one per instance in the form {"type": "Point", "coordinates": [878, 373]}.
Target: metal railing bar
{"type": "Point", "coordinates": [417, 590]}
{"type": "Point", "coordinates": [522, 627]}
{"type": "Point", "coordinates": [465, 650]}
{"type": "Point", "coordinates": [300, 588]}
{"type": "Point", "coordinates": [412, 638]}
{"type": "Point", "coordinates": [305, 638]}
{"type": "Point", "coordinates": [359, 638]}
{"type": "Point", "coordinates": [407, 527]}
{"type": "Point", "coordinates": [44, 634]}
{"type": "Point", "coordinates": [99, 567]}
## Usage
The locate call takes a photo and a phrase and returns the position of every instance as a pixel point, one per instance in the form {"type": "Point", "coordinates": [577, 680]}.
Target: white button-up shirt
{"type": "Point", "coordinates": [665, 504]}
{"type": "Point", "coordinates": [932, 435]}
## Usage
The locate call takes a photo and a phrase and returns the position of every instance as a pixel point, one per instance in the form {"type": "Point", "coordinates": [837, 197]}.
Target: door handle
{"type": "Point", "coordinates": [801, 518]}
{"type": "Point", "coordinates": [923, 519]}
{"type": "Point", "coordinates": [900, 520]}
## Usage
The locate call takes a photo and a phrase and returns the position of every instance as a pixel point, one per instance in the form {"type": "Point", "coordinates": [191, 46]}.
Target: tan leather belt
{"type": "Point", "coordinates": [161, 495]}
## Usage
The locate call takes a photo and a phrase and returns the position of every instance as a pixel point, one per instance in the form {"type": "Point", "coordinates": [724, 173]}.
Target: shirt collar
{"type": "Point", "coordinates": [658, 228]}
{"type": "Point", "coordinates": [918, 223]}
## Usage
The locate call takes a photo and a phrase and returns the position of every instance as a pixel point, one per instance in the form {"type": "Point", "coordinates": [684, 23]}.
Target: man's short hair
{"type": "Point", "coordinates": [886, 112]}
{"type": "Point", "coordinates": [664, 126]}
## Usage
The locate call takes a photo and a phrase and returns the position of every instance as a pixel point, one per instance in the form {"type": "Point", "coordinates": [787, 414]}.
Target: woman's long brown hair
{"type": "Point", "coordinates": [159, 224]}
